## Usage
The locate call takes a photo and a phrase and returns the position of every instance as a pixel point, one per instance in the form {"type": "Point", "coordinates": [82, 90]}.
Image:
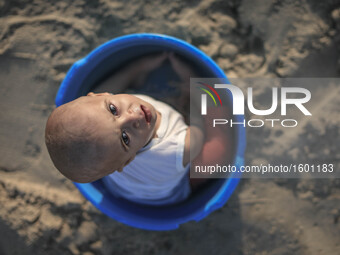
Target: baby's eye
{"type": "Point", "coordinates": [125, 138]}
{"type": "Point", "coordinates": [113, 109]}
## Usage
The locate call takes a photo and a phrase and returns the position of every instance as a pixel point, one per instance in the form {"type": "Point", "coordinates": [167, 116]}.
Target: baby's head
{"type": "Point", "coordinates": [98, 134]}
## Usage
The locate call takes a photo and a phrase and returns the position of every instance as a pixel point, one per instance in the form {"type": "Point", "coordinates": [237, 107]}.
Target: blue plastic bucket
{"type": "Point", "coordinates": [86, 72]}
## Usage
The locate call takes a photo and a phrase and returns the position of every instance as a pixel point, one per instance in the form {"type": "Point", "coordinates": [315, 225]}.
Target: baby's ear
{"type": "Point", "coordinates": [91, 94]}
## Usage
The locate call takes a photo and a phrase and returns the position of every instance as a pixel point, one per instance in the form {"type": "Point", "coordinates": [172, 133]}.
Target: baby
{"type": "Point", "coordinates": [146, 141]}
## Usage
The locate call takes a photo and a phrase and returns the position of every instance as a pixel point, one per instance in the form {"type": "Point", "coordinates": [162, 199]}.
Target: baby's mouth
{"type": "Point", "coordinates": [147, 113]}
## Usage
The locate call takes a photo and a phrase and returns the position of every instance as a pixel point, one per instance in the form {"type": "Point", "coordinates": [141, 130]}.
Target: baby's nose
{"type": "Point", "coordinates": [134, 117]}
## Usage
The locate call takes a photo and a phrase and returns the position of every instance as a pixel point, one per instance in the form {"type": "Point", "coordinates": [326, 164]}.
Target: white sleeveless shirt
{"type": "Point", "coordinates": [156, 175]}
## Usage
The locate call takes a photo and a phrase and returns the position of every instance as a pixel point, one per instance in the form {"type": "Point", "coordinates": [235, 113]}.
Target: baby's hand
{"type": "Point", "coordinates": [150, 62]}
{"type": "Point", "coordinates": [183, 70]}
{"type": "Point", "coordinates": [139, 69]}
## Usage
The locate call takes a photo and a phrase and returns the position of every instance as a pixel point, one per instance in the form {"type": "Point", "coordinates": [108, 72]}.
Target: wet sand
{"type": "Point", "coordinates": [43, 213]}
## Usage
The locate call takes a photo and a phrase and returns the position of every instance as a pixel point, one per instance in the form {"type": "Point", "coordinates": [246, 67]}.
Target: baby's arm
{"type": "Point", "coordinates": [132, 74]}
{"type": "Point", "coordinates": [209, 145]}
{"type": "Point", "coordinates": [196, 128]}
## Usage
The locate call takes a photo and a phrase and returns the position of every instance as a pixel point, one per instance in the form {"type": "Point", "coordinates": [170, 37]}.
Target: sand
{"type": "Point", "coordinates": [43, 213]}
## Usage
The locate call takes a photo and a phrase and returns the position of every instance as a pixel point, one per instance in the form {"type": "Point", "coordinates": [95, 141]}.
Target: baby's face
{"type": "Point", "coordinates": [121, 124]}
